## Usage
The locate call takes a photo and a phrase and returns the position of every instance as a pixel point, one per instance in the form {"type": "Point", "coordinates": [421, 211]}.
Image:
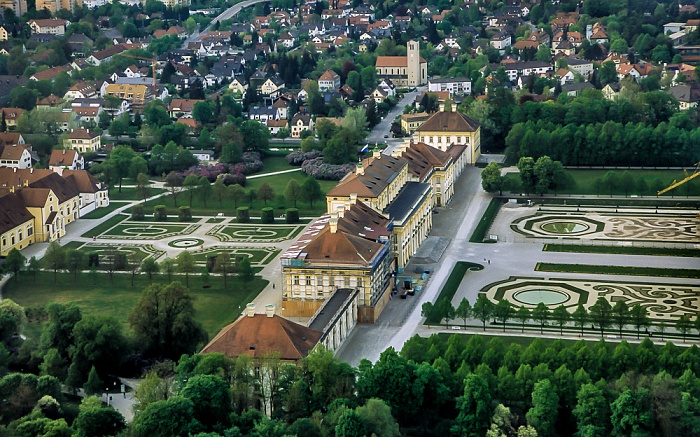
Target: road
{"type": "Point", "coordinates": [228, 13]}
{"type": "Point", "coordinates": [383, 128]}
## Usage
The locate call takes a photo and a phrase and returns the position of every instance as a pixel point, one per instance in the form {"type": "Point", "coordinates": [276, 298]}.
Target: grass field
{"type": "Point", "coordinates": [655, 180]}
{"type": "Point", "coordinates": [129, 193]}
{"type": "Point", "coordinates": [618, 270]}
{"type": "Point", "coordinates": [486, 220]}
{"type": "Point", "coordinates": [276, 163]}
{"type": "Point", "coordinates": [278, 184]}
{"type": "Point", "coordinates": [146, 230]}
{"type": "Point", "coordinates": [621, 250]}
{"type": "Point", "coordinates": [104, 226]}
{"type": "Point", "coordinates": [101, 212]}
{"type": "Point", "coordinates": [95, 294]}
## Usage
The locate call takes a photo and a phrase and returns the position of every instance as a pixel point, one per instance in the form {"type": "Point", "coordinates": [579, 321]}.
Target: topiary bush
{"type": "Point", "coordinates": [292, 215]}
{"type": "Point", "coordinates": [242, 214]}
{"type": "Point", "coordinates": [184, 214]}
{"type": "Point", "coordinates": [267, 215]}
{"type": "Point", "coordinates": [137, 213]}
{"type": "Point", "coordinates": [159, 213]}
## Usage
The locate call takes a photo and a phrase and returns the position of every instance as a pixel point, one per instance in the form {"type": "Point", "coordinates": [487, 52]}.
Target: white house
{"type": "Point", "coordinates": [456, 86]}
{"type": "Point", "coordinates": [67, 160]}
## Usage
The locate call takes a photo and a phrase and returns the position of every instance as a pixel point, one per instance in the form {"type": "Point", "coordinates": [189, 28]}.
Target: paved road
{"type": "Point", "coordinates": [383, 128]}
{"type": "Point", "coordinates": [231, 12]}
{"type": "Point", "coordinates": [511, 256]}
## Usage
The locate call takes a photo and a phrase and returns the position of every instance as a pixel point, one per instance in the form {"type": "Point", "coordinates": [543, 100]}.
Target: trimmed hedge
{"type": "Point", "coordinates": [267, 215]}
{"type": "Point", "coordinates": [242, 214]}
{"type": "Point", "coordinates": [137, 213]}
{"type": "Point", "coordinates": [184, 214]}
{"type": "Point", "coordinates": [291, 215]}
{"type": "Point", "coordinates": [160, 213]}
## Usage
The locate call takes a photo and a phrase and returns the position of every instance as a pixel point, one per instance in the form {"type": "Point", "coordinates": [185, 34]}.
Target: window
{"type": "Point", "coordinates": [308, 280]}
{"type": "Point", "coordinates": [30, 231]}
{"type": "Point", "coordinates": [296, 280]}
{"type": "Point", "coordinates": [360, 283]}
{"type": "Point", "coordinates": [346, 282]}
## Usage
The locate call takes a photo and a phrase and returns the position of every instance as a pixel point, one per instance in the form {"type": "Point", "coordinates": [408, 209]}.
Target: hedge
{"type": "Point", "coordinates": [243, 214]}
{"type": "Point", "coordinates": [267, 215]}
{"type": "Point", "coordinates": [291, 215]}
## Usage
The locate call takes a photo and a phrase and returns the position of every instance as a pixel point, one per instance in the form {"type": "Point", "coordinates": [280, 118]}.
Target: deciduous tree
{"type": "Point", "coordinates": [186, 265]}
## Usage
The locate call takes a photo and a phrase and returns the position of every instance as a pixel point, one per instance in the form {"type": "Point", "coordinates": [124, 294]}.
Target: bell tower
{"type": "Point", "coordinates": [413, 63]}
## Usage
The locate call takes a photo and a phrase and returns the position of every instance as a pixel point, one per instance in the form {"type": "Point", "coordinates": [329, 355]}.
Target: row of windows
{"type": "Point", "coordinates": [325, 280]}
{"type": "Point", "coordinates": [20, 235]}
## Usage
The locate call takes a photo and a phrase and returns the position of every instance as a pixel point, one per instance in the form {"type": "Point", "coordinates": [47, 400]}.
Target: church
{"type": "Point", "coordinates": [408, 71]}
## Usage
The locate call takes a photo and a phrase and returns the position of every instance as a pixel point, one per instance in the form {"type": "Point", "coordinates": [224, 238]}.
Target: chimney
{"type": "Point", "coordinates": [376, 153]}
{"type": "Point", "coordinates": [25, 183]}
{"type": "Point", "coordinates": [359, 170]}
{"type": "Point", "coordinates": [12, 188]}
{"type": "Point", "coordinates": [341, 212]}
{"type": "Point", "coordinates": [250, 310]}
{"type": "Point", "coordinates": [270, 310]}
{"type": "Point", "coordinates": [353, 198]}
{"type": "Point", "coordinates": [333, 223]}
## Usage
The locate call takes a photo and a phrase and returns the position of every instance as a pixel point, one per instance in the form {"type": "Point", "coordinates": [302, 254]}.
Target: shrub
{"type": "Point", "coordinates": [330, 172]}
{"type": "Point", "coordinates": [159, 213]}
{"type": "Point", "coordinates": [234, 178]}
{"type": "Point", "coordinates": [292, 215]}
{"type": "Point", "coordinates": [211, 172]}
{"type": "Point", "coordinates": [184, 214]}
{"type": "Point", "coordinates": [298, 156]}
{"type": "Point", "coordinates": [137, 213]}
{"type": "Point", "coordinates": [120, 261]}
{"type": "Point", "coordinates": [243, 214]}
{"type": "Point", "coordinates": [267, 215]}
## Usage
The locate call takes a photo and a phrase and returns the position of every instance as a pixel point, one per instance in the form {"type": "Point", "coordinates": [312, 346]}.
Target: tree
{"type": "Point", "coordinates": [210, 397]}
{"type": "Point", "coordinates": [94, 420]}
{"type": "Point", "coordinates": [190, 184]}
{"type": "Point", "coordinates": [204, 189]}
{"type": "Point", "coordinates": [120, 158]}
{"type": "Point", "coordinates": [491, 179]}
{"type": "Point", "coordinates": [639, 317]}
{"type": "Point", "coordinates": [632, 414]}
{"type": "Point", "coordinates": [600, 314]}
{"type": "Point", "coordinates": [168, 418]}
{"type": "Point", "coordinates": [138, 165]}
{"type": "Point", "coordinates": [245, 271]}
{"type": "Point", "coordinates": [543, 414]}
{"type": "Point", "coordinates": [627, 182]}
{"type": "Point", "coordinates": [349, 425]}
{"type": "Point", "coordinates": [143, 186]}
{"type": "Point", "coordinates": [256, 137]}
{"type": "Point", "coordinates": [202, 112]}
{"type": "Point", "coordinates": [541, 314]}
{"type": "Point", "coordinates": [592, 411]}
{"type": "Point", "coordinates": [620, 314]}
{"type": "Point", "coordinates": [149, 266]}
{"type": "Point", "coordinates": [223, 265]}
{"type": "Point", "coordinates": [376, 417]}
{"type": "Point", "coordinates": [219, 190]}
{"type": "Point", "coordinates": [543, 53]}
{"type": "Point", "coordinates": [75, 260]}
{"type": "Point", "coordinates": [94, 384]}
{"type": "Point", "coordinates": [580, 317]}
{"type": "Point", "coordinates": [523, 315]}
{"type": "Point", "coordinates": [54, 258]}
{"type": "Point", "coordinates": [607, 73]}
{"type": "Point", "coordinates": [464, 310]}
{"type": "Point", "coordinates": [503, 311]}
{"type": "Point", "coordinates": [186, 265]}
{"type": "Point", "coordinates": [526, 166]}
{"type": "Point", "coordinates": [482, 310]}
{"type": "Point", "coordinates": [168, 266]}
{"type": "Point", "coordinates": [34, 266]}
{"type": "Point", "coordinates": [14, 262]}
{"type": "Point", "coordinates": [683, 325]}
{"type": "Point", "coordinates": [173, 183]}
{"type": "Point", "coordinates": [163, 322]}
{"type": "Point", "coordinates": [474, 407]}
{"type": "Point", "coordinates": [265, 192]}
{"type": "Point", "coordinates": [311, 190]}
{"type": "Point", "coordinates": [561, 316]}
{"type": "Point", "coordinates": [293, 192]}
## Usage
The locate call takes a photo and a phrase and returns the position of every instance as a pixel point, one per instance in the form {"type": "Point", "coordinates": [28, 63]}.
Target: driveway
{"type": "Point", "coordinates": [384, 127]}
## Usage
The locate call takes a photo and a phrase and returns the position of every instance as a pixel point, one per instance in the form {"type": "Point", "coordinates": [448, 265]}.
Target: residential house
{"type": "Point", "coordinates": [83, 140]}
{"type": "Point", "coordinates": [263, 114]}
{"type": "Point", "coordinates": [137, 96]}
{"type": "Point", "coordinates": [81, 90]}
{"type": "Point", "coordinates": [574, 89]}
{"type": "Point", "coordinates": [583, 66]}
{"type": "Point", "coordinates": [181, 107]}
{"type": "Point", "coordinates": [300, 123]}
{"type": "Point", "coordinates": [66, 159]}
{"type": "Point", "coordinates": [238, 86]}
{"type": "Point", "coordinates": [564, 76]}
{"type": "Point", "coordinates": [456, 86]}
{"type": "Point", "coordinates": [330, 80]}
{"type": "Point", "coordinates": [16, 155]}
{"type": "Point", "coordinates": [106, 55]}
{"type": "Point", "coordinates": [53, 26]}
{"type": "Point", "coordinates": [611, 90]}
{"type": "Point", "coordinates": [49, 101]}
{"type": "Point", "coordinates": [500, 41]}
{"type": "Point", "coordinates": [688, 95]}
{"type": "Point", "coordinates": [10, 117]}
{"type": "Point", "coordinates": [412, 121]}
{"type": "Point", "coordinates": [272, 86]}
{"type": "Point", "coordinates": [274, 126]}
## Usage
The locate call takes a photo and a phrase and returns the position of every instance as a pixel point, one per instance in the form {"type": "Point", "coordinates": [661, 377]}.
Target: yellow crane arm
{"type": "Point", "coordinates": [682, 181]}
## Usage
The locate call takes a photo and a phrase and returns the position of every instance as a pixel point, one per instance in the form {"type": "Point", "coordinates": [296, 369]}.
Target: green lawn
{"type": "Point", "coordinates": [212, 207]}
{"type": "Point", "coordinates": [621, 250]}
{"type": "Point", "coordinates": [132, 251]}
{"type": "Point", "coordinates": [618, 270]}
{"type": "Point", "coordinates": [101, 212]}
{"type": "Point", "coordinates": [245, 233]}
{"type": "Point", "coordinates": [95, 294]}
{"type": "Point", "coordinates": [276, 163]}
{"type": "Point", "coordinates": [258, 256]}
{"type": "Point", "coordinates": [145, 230]}
{"type": "Point", "coordinates": [486, 220]}
{"type": "Point", "coordinates": [129, 193]}
{"type": "Point", "coordinates": [586, 182]}
{"type": "Point", "coordinates": [104, 226]}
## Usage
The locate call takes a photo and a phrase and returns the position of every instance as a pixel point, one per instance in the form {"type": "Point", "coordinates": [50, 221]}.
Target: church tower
{"type": "Point", "coordinates": [413, 63]}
